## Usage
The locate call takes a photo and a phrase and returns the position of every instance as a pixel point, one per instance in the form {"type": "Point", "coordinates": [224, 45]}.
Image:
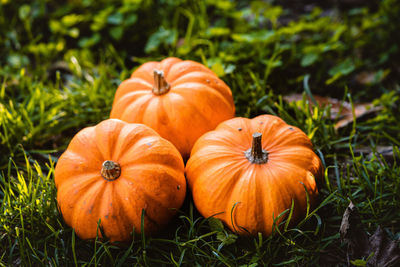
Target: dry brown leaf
{"type": "Point", "coordinates": [340, 110]}
{"type": "Point", "coordinates": [376, 250]}
{"type": "Point", "coordinates": [385, 152]}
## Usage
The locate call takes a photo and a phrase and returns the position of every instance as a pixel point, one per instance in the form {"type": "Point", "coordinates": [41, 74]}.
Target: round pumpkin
{"type": "Point", "coordinates": [113, 172]}
{"type": "Point", "coordinates": [179, 99]}
{"type": "Point", "coordinates": [248, 171]}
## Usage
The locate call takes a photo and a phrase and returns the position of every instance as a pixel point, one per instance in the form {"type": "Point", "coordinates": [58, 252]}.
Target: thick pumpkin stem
{"type": "Point", "coordinates": [110, 170]}
{"type": "Point", "coordinates": [160, 84]}
{"type": "Point", "coordinates": [256, 154]}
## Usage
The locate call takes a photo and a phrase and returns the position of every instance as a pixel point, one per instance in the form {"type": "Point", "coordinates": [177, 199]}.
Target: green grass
{"type": "Point", "coordinates": [57, 78]}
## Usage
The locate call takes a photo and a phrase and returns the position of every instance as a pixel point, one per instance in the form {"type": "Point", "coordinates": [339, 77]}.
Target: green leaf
{"type": "Point", "coordinates": [24, 11]}
{"type": "Point", "coordinates": [55, 26]}
{"type": "Point", "coordinates": [273, 12]}
{"type": "Point", "coordinates": [218, 69]}
{"type": "Point", "coordinates": [130, 20]}
{"type": "Point", "coordinates": [341, 29]}
{"type": "Point", "coordinates": [227, 239]}
{"type": "Point", "coordinates": [71, 20]}
{"type": "Point", "coordinates": [116, 32]}
{"type": "Point", "coordinates": [88, 42]}
{"type": "Point", "coordinates": [100, 20]}
{"type": "Point", "coordinates": [359, 262]}
{"type": "Point", "coordinates": [263, 36]}
{"type": "Point", "coordinates": [343, 68]}
{"type": "Point", "coordinates": [17, 60]}
{"type": "Point", "coordinates": [162, 36]}
{"type": "Point", "coordinates": [115, 19]}
{"type": "Point", "coordinates": [217, 31]}
{"type": "Point", "coordinates": [251, 265]}
{"type": "Point", "coordinates": [74, 32]}
{"type": "Point", "coordinates": [308, 59]}
{"type": "Point", "coordinates": [222, 4]}
{"type": "Point", "coordinates": [230, 68]}
{"type": "Point", "coordinates": [215, 224]}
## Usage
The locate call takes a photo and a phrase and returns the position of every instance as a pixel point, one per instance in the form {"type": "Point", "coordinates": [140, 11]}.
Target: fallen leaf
{"type": "Point", "coordinates": [340, 110]}
{"type": "Point", "coordinates": [376, 250]}
{"type": "Point", "coordinates": [352, 232]}
{"type": "Point", "coordinates": [336, 105]}
{"type": "Point", "coordinates": [386, 152]}
{"type": "Point", "coordinates": [371, 77]}
{"type": "Point", "coordinates": [386, 252]}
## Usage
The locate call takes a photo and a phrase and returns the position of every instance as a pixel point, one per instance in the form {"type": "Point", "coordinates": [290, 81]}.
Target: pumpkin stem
{"type": "Point", "coordinates": [160, 84]}
{"type": "Point", "coordinates": [110, 170]}
{"type": "Point", "coordinates": [256, 154]}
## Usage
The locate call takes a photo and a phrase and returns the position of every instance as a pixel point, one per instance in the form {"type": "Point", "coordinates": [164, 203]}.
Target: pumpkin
{"type": "Point", "coordinates": [112, 172]}
{"type": "Point", "coordinates": [248, 171]}
{"type": "Point", "coordinates": [179, 99]}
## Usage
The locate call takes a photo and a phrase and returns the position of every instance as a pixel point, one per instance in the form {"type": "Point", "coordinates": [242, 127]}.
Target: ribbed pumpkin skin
{"type": "Point", "coordinates": [196, 102]}
{"type": "Point", "coordinates": [152, 178]}
{"type": "Point", "coordinates": [224, 183]}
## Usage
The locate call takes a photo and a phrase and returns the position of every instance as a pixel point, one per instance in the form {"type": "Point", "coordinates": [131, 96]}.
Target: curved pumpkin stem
{"type": "Point", "coordinates": [110, 170]}
{"type": "Point", "coordinates": [160, 84]}
{"type": "Point", "coordinates": [256, 154]}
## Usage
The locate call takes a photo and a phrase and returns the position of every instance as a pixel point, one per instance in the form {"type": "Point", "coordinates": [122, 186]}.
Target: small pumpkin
{"type": "Point", "coordinates": [179, 99]}
{"type": "Point", "coordinates": [248, 171]}
{"type": "Point", "coordinates": [114, 170]}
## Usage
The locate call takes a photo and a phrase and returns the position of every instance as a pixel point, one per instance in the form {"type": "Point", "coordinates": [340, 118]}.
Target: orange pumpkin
{"type": "Point", "coordinates": [114, 170]}
{"type": "Point", "coordinates": [181, 100]}
{"type": "Point", "coordinates": [248, 171]}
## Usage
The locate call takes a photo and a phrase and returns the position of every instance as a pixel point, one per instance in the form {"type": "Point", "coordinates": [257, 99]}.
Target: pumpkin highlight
{"type": "Point", "coordinates": [112, 172]}
{"type": "Point", "coordinates": [248, 171]}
